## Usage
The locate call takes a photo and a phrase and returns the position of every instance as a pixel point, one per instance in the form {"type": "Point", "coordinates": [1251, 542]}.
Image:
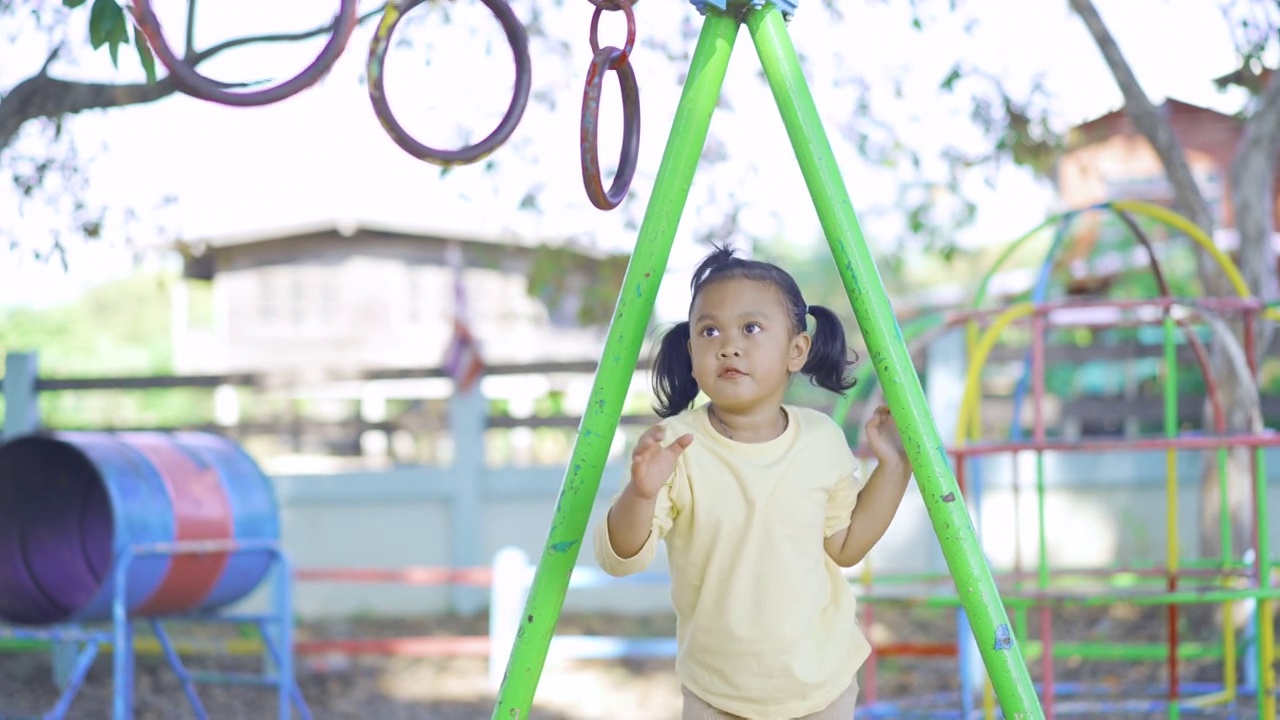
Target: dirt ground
{"type": "Point", "coordinates": [405, 688]}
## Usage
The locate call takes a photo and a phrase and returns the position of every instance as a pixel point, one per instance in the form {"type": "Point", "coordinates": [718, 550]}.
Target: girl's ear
{"type": "Point", "coordinates": [799, 352]}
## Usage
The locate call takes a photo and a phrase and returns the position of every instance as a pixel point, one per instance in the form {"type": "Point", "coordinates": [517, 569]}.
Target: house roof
{"type": "Point", "coordinates": [200, 255]}
{"type": "Point", "coordinates": [1086, 129]}
{"type": "Point", "coordinates": [347, 227]}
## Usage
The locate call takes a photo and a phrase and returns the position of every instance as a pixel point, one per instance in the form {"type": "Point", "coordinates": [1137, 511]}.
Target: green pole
{"type": "Point", "coordinates": [617, 363]}
{"type": "Point", "coordinates": [888, 352]}
{"type": "Point", "coordinates": [1262, 614]}
{"type": "Point", "coordinates": [1171, 462]}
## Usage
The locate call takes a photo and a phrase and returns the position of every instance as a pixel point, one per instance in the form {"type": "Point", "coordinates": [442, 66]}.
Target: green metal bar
{"type": "Point", "coordinates": [1013, 600]}
{"type": "Point", "coordinates": [888, 352]}
{"type": "Point", "coordinates": [1042, 535]}
{"type": "Point", "coordinates": [631, 316]}
{"type": "Point", "coordinates": [1123, 652]}
{"type": "Point", "coordinates": [1171, 499]}
{"type": "Point", "coordinates": [1263, 619]}
{"type": "Point", "coordinates": [1009, 250]}
{"type": "Point", "coordinates": [911, 330]}
{"type": "Point", "coordinates": [1182, 597]}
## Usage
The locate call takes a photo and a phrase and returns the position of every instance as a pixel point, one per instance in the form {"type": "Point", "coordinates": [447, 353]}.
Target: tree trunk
{"type": "Point", "coordinates": [1157, 129]}
{"type": "Point", "coordinates": [1253, 192]}
{"type": "Point", "coordinates": [1253, 173]}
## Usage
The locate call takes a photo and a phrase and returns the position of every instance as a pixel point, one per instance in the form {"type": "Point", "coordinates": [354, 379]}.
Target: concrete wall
{"type": "Point", "coordinates": [1100, 510]}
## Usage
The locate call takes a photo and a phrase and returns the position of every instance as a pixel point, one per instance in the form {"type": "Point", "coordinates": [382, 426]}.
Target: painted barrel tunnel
{"type": "Point", "coordinates": [72, 502]}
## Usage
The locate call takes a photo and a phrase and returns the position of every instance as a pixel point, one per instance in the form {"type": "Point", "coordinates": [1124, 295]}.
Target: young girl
{"type": "Point", "coordinates": [760, 503]}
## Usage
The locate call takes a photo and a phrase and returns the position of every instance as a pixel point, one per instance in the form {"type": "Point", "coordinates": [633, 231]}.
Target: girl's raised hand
{"type": "Point", "coordinates": [652, 464]}
{"type": "Point", "coordinates": [883, 437]}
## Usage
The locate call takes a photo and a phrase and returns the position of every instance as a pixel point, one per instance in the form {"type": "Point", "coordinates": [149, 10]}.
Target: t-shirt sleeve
{"type": "Point", "coordinates": [843, 498]}
{"type": "Point", "coordinates": [665, 511]}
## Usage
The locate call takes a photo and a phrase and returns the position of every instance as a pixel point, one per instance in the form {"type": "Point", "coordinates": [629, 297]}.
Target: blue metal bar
{"type": "Point", "coordinates": [122, 638]}
{"type": "Point", "coordinates": [299, 701]}
{"type": "Point", "coordinates": [179, 669]}
{"type": "Point", "coordinates": [79, 671]}
{"type": "Point", "coordinates": [211, 677]}
{"type": "Point", "coordinates": [281, 647]}
{"type": "Point", "coordinates": [284, 651]}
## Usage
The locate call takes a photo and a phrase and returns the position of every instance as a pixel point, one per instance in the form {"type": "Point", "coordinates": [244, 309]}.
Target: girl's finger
{"type": "Point", "coordinates": [650, 436]}
{"type": "Point", "coordinates": [680, 444]}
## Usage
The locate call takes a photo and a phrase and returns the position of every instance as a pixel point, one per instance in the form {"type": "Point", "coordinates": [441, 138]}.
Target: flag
{"type": "Point", "coordinates": [462, 360]}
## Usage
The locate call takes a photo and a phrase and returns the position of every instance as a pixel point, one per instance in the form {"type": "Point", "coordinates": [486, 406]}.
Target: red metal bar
{"type": "Point", "coordinates": [1251, 357]}
{"type": "Point", "coordinates": [935, 650]}
{"type": "Point", "coordinates": [870, 678]}
{"type": "Point", "coordinates": [1216, 304]}
{"type": "Point", "coordinates": [1199, 442]}
{"type": "Point", "coordinates": [1037, 377]}
{"type": "Point", "coordinates": [474, 576]}
{"type": "Point", "coordinates": [1173, 642]}
{"type": "Point", "coordinates": [424, 646]}
{"type": "Point", "coordinates": [478, 646]}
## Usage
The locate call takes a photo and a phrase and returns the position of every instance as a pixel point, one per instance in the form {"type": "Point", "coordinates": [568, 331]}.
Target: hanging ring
{"type": "Point", "coordinates": [631, 32]}
{"type": "Point", "coordinates": [192, 83]}
{"type": "Point", "coordinates": [605, 59]}
{"type": "Point", "coordinates": [519, 42]}
{"type": "Point", "coordinates": [612, 5]}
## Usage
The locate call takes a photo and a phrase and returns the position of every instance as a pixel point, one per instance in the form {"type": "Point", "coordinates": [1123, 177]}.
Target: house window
{"type": "Point", "coordinates": [268, 303]}
{"type": "Point", "coordinates": [414, 297]}
{"type": "Point", "coordinates": [298, 300]}
{"type": "Point", "coordinates": [328, 300]}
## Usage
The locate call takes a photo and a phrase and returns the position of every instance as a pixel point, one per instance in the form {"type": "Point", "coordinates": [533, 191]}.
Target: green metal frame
{"type": "Point", "coordinates": [887, 351]}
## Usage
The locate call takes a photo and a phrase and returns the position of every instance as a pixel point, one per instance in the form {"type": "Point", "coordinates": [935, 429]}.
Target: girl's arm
{"type": "Point", "coordinates": [877, 504]}
{"type": "Point", "coordinates": [643, 512]}
{"type": "Point", "coordinates": [630, 521]}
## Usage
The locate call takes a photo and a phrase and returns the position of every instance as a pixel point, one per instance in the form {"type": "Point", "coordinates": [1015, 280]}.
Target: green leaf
{"type": "Point", "coordinates": [107, 26]}
{"type": "Point", "coordinates": [72, 3]}
{"type": "Point", "coordinates": [100, 21]}
{"type": "Point", "coordinates": [949, 82]}
{"type": "Point", "coordinates": [145, 57]}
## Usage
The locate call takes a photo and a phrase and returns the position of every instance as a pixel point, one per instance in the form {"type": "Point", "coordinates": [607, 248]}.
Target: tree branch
{"type": "Point", "coordinates": [190, 47]}
{"type": "Point", "coordinates": [1156, 128]}
{"type": "Point", "coordinates": [1253, 184]}
{"type": "Point", "coordinates": [42, 96]}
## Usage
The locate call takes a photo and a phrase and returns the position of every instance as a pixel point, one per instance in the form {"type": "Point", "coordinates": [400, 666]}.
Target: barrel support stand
{"type": "Point", "coordinates": [87, 644]}
{"type": "Point", "coordinates": [279, 643]}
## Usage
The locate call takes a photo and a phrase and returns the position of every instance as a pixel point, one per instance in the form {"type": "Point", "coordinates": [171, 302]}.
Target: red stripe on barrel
{"type": "Point", "coordinates": [201, 512]}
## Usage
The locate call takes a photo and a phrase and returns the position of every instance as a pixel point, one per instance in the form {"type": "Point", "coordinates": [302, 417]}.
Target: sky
{"type": "Point", "coordinates": [321, 155]}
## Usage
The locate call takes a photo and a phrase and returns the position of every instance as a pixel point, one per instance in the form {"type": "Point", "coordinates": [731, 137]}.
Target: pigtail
{"type": "Point", "coordinates": [673, 381]}
{"type": "Point", "coordinates": [829, 353]}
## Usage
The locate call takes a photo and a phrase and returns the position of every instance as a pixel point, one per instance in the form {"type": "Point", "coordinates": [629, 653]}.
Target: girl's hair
{"type": "Point", "coordinates": [828, 361]}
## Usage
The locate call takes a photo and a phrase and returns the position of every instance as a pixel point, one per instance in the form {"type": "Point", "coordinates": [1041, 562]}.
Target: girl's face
{"type": "Point", "coordinates": [743, 345]}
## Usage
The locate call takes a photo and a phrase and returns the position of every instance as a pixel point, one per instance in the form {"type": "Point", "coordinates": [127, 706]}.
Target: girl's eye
{"type": "Point", "coordinates": [708, 331]}
{"type": "Point", "coordinates": [752, 328]}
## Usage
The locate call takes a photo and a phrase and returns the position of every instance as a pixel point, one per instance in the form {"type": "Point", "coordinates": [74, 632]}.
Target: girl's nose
{"type": "Point", "coordinates": [729, 351]}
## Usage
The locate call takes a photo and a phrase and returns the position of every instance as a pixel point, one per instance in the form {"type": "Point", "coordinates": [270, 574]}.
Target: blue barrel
{"type": "Point", "coordinates": [72, 502]}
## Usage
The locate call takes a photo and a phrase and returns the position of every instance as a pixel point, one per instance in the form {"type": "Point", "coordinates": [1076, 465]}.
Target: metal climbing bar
{"type": "Point", "coordinates": [631, 316]}
{"type": "Point", "coordinates": [888, 353]}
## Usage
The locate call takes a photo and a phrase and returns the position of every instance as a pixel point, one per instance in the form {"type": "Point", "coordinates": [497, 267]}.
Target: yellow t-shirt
{"type": "Point", "coordinates": [766, 625]}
